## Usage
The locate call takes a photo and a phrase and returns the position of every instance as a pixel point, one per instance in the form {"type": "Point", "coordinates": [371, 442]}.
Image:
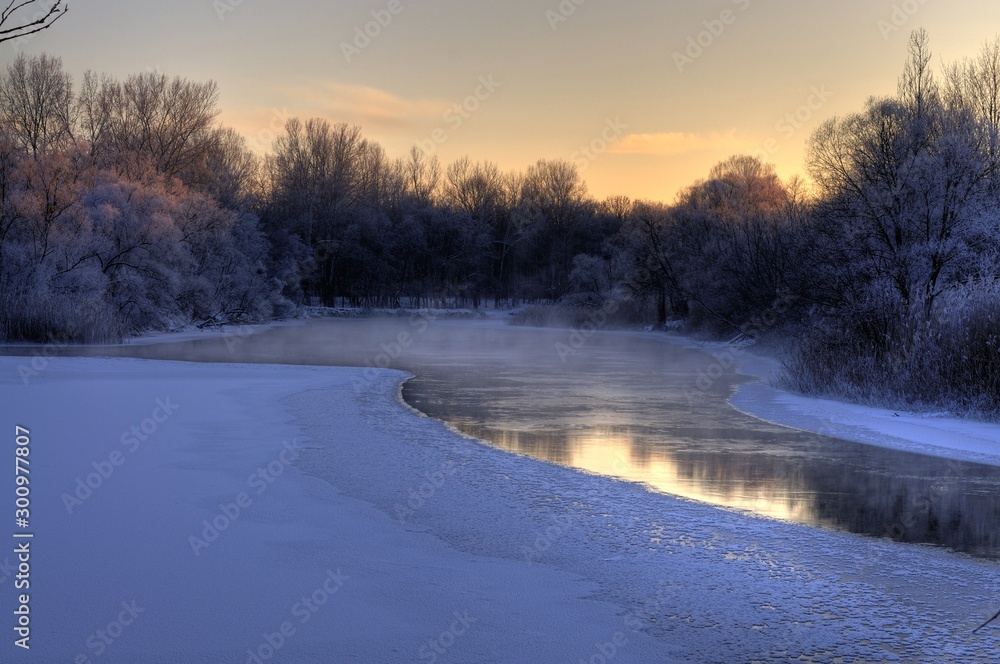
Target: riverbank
{"type": "Point", "coordinates": [934, 434]}
{"type": "Point", "coordinates": [276, 513]}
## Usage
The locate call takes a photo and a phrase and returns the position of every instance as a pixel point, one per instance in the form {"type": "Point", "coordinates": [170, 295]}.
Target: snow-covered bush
{"type": "Point", "coordinates": [92, 255]}
{"type": "Point", "coordinates": [874, 352]}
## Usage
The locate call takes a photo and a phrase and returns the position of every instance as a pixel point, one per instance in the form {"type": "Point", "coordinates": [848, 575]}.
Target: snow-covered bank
{"type": "Point", "coordinates": [931, 434]}
{"type": "Point", "coordinates": [197, 334]}
{"type": "Point", "coordinates": [177, 492]}
{"type": "Point", "coordinates": [381, 536]}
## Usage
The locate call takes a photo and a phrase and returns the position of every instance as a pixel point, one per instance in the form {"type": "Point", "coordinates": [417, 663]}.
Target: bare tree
{"type": "Point", "coordinates": [973, 85]}
{"type": "Point", "coordinates": [36, 102]}
{"type": "Point", "coordinates": [423, 175]}
{"type": "Point", "coordinates": [230, 173]}
{"type": "Point", "coordinates": [475, 188]}
{"type": "Point", "coordinates": [917, 88]}
{"type": "Point", "coordinates": [557, 190]}
{"type": "Point", "coordinates": [909, 192]}
{"type": "Point", "coordinates": [652, 240]}
{"type": "Point", "coordinates": [618, 207]}
{"type": "Point", "coordinates": [316, 172]}
{"type": "Point", "coordinates": [13, 26]}
{"type": "Point", "coordinates": [149, 117]}
{"type": "Point", "coordinates": [95, 109]}
{"type": "Point", "coordinates": [168, 120]}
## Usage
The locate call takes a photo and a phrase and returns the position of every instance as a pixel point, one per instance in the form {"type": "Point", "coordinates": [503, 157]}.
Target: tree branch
{"type": "Point", "coordinates": [56, 12]}
{"type": "Point", "coordinates": [995, 616]}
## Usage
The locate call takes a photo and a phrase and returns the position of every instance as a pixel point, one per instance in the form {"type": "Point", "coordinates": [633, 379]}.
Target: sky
{"type": "Point", "coordinates": [644, 96]}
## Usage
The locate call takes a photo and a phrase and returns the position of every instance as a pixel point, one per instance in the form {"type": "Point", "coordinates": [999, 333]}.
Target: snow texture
{"type": "Point", "coordinates": [423, 545]}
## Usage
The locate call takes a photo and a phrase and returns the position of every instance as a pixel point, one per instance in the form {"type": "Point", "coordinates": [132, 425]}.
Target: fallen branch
{"type": "Point", "coordinates": [995, 616]}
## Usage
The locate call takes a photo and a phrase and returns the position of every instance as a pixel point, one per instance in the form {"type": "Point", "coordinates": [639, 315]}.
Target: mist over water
{"type": "Point", "coordinates": [631, 406]}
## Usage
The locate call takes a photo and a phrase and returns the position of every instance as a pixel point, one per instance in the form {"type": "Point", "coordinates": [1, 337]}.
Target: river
{"type": "Point", "coordinates": [637, 407]}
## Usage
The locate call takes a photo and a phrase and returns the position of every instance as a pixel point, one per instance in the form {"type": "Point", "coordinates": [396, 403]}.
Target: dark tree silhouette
{"type": "Point", "coordinates": [13, 27]}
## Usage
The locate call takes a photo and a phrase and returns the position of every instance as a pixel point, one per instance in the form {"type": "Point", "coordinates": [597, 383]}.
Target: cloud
{"type": "Point", "coordinates": [678, 143]}
{"type": "Point", "coordinates": [381, 115]}
{"type": "Point", "coordinates": [364, 105]}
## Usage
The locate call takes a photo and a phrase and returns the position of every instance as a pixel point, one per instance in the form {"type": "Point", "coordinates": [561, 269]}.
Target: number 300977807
{"type": "Point", "coordinates": [22, 453]}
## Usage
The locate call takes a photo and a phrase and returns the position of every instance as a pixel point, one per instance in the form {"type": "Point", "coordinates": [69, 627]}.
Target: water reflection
{"type": "Point", "coordinates": [934, 502]}
{"type": "Point", "coordinates": [616, 452]}
{"type": "Point", "coordinates": [622, 406]}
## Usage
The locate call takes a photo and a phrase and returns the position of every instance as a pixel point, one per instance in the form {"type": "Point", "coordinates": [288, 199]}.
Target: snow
{"type": "Point", "coordinates": [192, 333]}
{"type": "Point", "coordinates": [130, 540]}
{"type": "Point", "coordinates": [415, 543]}
{"type": "Point", "coordinates": [933, 434]}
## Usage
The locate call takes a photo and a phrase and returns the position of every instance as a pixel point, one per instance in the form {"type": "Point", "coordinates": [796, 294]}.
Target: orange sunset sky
{"type": "Point", "coordinates": [659, 90]}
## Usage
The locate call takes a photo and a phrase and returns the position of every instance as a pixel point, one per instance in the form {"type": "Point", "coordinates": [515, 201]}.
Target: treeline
{"type": "Point", "coordinates": [364, 230]}
{"type": "Point", "coordinates": [886, 276]}
{"type": "Point", "coordinates": [124, 206]}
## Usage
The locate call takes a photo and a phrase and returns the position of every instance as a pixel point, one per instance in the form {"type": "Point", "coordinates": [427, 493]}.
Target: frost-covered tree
{"type": "Point", "coordinates": [723, 251]}
{"type": "Point", "coordinates": [92, 254]}
{"type": "Point", "coordinates": [908, 184]}
{"type": "Point", "coordinates": [907, 241]}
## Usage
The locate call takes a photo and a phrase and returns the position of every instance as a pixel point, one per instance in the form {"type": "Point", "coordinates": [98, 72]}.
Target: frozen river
{"type": "Point", "coordinates": [422, 526]}
{"type": "Point", "coordinates": [637, 407]}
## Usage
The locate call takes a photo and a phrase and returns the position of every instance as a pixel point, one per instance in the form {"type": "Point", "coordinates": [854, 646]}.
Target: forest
{"type": "Point", "coordinates": [125, 206]}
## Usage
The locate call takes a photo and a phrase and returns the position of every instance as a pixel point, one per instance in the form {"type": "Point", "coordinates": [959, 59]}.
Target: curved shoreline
{"type": "Point", "coordinates": [545, 562]}
{"type": "Point", "coordinates": [935, 435]}
{"type": "Point", "coordinates": [720, 585]}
